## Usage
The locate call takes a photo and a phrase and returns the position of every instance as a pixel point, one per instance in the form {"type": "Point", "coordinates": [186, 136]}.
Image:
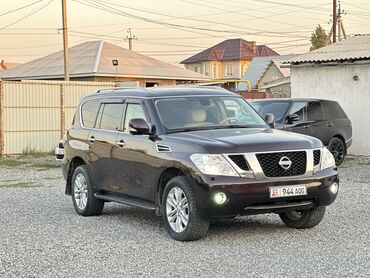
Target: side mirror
{"type": "Point", "coordinates": [270, 119]}
{"type": "Point", "coordinates": [138, 126]}
{"type": "Point", "coordinates": [292, 118]}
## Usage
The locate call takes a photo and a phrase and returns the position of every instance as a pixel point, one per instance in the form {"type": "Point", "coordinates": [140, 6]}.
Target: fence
{"type": "Point", "coordinates": [34, 115]}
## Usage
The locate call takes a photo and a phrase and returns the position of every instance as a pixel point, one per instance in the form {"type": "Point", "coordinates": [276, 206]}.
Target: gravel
{"type": "Point", "coordinates": [42, 236]}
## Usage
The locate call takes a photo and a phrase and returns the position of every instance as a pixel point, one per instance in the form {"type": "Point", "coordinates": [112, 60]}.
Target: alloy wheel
{"type": "Point", "coordinates": [177, 209]}
{"type": "Point", "coordinates": [80, 191]}
{"type": "Point", "coordinates": [337, 149]}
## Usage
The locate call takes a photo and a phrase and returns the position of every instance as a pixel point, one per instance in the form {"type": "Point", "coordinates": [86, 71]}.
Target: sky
{"type": "Point", "coordinates": [169, 30]}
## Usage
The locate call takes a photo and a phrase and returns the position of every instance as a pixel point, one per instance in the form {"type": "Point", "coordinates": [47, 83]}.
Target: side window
{"type": "Point", "coordinates": [133, 111]}
{"type": "Point", "coordinates": [111, 116]}
{"type": "Point", "coordinates": [333, 110]}
{"type": "Point", "coordinates": [299, 108]}
{"type": "Point", "coordinates": [89, 110]}
{"type": "Point", "coordinates": [315, 111]}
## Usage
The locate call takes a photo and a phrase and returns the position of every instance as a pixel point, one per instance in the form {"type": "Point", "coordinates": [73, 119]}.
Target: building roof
{"type": "Point", "coordinates": [351, 49]}
{"type": "Point", "coordinates": [5, 65]}
{"type": "Point", "coordinates": [94, 58]}
{"type": "Point", "coordinates": [258, 67]}
{"type": "Point", "coordinates": [233, 49]}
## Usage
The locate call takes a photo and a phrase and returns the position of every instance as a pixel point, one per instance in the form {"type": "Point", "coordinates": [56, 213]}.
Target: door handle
{"type": "Point", "coordinates": [92, 139]}
{"type": "Point", "coordinates": [329, 124]}
{"type": "Point", "coordinates": [120, 144]}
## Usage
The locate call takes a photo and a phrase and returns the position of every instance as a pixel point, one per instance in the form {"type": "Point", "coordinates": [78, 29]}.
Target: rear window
{"type": "Point", "coordinates": [333, 110]}
{"type": "Point", "coordinates": [89, 111]}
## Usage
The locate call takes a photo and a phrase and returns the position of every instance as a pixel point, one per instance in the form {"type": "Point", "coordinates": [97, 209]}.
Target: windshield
{"type": "Point", "coordinates": [206, 112]}
{"type": "Point", "coordinates": [278, 108]}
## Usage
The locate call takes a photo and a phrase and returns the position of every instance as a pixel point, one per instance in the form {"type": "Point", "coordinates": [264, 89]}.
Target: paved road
{"type": "Point", "coordinates": [42, 236]}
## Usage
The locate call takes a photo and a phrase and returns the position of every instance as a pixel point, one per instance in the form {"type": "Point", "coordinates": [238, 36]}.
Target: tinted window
{"type": "Point", "coordinates": [111, 116]}
{"type": "Point", "coordinates": [206, 112]}
{"type": "Point", "coordinates": [89, 111]}
{"type": "Point", "coordinates": [133, 111]}
{"type": "Point", "coordinates": [299, 108]}
{"type": "Point", "coordinates": [333, 110]}
{"type": "Point", "coordinates": [278, 108]}
{"type": "Point", "coordinates": [314, 111]}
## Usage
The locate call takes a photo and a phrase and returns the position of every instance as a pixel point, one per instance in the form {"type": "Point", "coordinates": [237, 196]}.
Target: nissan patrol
{"type": "Point", "coordinates": [190, 155]}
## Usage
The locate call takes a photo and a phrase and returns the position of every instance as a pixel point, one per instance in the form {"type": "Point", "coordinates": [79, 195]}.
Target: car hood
{"type": "Point", "coordinates": [246, 140]}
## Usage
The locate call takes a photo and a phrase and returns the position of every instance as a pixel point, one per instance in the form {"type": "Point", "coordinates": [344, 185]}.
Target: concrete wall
{"type": "Point", "coordinates": [337, 83]}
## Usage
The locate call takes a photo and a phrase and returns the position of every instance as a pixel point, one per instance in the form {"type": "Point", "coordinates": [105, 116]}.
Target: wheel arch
{"type": "Point", "coordinates": [75, 162]}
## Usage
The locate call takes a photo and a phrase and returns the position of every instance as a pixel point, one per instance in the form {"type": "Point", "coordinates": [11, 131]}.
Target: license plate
{"type": "Point", "coordinates": [288, 191]}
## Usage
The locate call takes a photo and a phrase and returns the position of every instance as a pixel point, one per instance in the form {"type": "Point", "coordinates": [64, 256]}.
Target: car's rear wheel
{"type": "Point", "coordinates": [303, 219]}
{"type": "Point", "coordinates": [181, 213]}
{"type": "Point", "coordinates": [338, 149]}
{"type": "Point", "coordinates": [82, 193]}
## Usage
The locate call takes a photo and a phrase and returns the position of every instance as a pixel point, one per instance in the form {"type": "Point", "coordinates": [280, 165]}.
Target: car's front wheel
{"type": "Point", "coordinates": [303, 219]}
{"type": "Point", "coordinates": [82, 193]}
{"type": "Point", "coordinates": [181, 214]}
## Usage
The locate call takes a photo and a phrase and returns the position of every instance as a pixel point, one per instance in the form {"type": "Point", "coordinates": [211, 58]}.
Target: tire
{"type": "Point", "coordinates": [176, 191]}
{"type": "Point", "coordinates": [337, 147]}
{"type": "Point", "coordinates": [303, 219]}
{"type": "Point", "coordinates": [82, 193]}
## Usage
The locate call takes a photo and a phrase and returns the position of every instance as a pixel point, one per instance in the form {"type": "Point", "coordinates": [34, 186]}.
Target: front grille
{"type": "Point", "coordinates": [316, 157]}
{"type": "Point", "coordinates": [271, 168]}
{"type": "Point", "coordinates": [240, 161]}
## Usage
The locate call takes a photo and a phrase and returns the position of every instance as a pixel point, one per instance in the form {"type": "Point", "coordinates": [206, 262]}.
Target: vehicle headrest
{"type": "Point", "coordinates": [198, 115]}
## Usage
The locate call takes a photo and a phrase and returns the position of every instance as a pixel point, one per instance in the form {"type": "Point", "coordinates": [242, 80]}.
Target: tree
{"type": "Point", "coordinates": [319, 38]}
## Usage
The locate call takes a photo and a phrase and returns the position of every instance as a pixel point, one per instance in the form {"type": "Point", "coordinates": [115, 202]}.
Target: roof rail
{"type": "Point", "coordinates": [113, 89]}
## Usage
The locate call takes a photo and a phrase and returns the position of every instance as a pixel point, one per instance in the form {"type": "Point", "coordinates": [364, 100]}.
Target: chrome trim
{"type": "Point", "coordinates": [256, 169]}
{"type": "Point", "coordinates": [158, 146]}
{"type": "Point", "coordinates": [349, 139]}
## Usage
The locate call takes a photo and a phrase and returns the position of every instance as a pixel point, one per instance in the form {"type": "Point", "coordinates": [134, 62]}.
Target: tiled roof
{"type": "Point", "coordinates": [234, 49]}
{"type": "Point", "coordinates": [353, 48]}
{"type": "Point", "coordinates": [94, 58]}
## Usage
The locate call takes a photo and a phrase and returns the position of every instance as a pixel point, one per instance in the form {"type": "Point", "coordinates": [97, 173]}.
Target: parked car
{"type": "Point", "coordinates": [59, 151]}
{"type": "Point", "coordinates": [323, 119]}
{"type": "Point", "coordinates": [190, 155]}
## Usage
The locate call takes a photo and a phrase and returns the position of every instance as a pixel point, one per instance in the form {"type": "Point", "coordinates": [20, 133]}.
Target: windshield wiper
{"type": "Point", "coordinates": [235, 126]}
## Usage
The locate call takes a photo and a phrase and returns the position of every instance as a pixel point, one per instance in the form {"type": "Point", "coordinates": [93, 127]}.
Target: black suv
{"type": "Point", "coordinates": [323, 119]}
{"type": "Point", "coordinates": [192, 154]}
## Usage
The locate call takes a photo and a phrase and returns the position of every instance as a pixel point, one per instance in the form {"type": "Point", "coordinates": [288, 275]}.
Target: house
{"type": "Point", "coordinates": [257, 68]}
{"type": "Point", "coordinates": [275, 79]}
{"type": "Point", "coordinates": [92, 61]}
{"type": "Point", "coordinates": [5, 65]}
{"type": "Point", "coordinates": [340, 72]}
{"type": "Point", "coordinates": [228, 59]}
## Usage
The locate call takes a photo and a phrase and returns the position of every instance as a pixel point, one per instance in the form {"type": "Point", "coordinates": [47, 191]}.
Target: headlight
{"type": "Point", "coordinates": [213, 164]}
{"type": "Point", "coordinates": [327, 160]}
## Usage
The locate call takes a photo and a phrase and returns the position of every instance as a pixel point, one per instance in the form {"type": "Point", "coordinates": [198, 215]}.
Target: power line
{"type": "Point", "coordinates": [21, 8]}
{"type": "Point", "coordinates": [30, 14]}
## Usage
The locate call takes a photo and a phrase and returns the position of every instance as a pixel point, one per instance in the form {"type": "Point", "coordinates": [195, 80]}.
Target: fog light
{"type": "Point", "coordinates": [220, 198]}
{"type": "Point", "coordinates": [334, 188]}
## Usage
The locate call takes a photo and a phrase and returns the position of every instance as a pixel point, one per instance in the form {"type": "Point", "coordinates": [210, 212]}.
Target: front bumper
{"type": "Point", "coordinates": [247, 196]}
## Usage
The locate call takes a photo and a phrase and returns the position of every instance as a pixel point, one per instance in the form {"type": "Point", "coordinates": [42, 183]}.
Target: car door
{"type": "Point", "coordinates": [301, 124]}
{"type": "Point", "coordinates": [320, 127]}
{"type": "Point", "coordinates": [102, 140]}
{"type": "Point", "coordinates": [135, 160]}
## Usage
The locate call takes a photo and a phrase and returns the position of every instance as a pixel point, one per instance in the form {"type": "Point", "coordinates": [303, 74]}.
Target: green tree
{"type": "Point", "coordinates": [319, 38]}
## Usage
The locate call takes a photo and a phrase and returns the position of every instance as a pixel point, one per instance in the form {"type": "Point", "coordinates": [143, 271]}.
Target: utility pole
{"type": "Point", "coordinates": [334, 21]}
{"type": "Point", "coordinates": [65, 41]}
{"type": "Point", "coordinates": [340, 24]}
{"type": "Point", "coordinates": [130, 37]}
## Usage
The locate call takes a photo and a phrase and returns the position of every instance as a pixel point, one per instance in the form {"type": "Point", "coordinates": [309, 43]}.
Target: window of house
{"type": "Point", "coordinates": [111, 116]}
{"type": "Point", "coordinates": [214, 70]}
{"type": "Point", "coordinates": [133, 111]}
{"type": "Point", "coordinates": [89, 111]}
{"type": "Point", "coordinates": [229, 69]}
{"type": "Point", "coordinates": [196, 69]}
{"type": "Point", "coordinates": [206, 69]}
